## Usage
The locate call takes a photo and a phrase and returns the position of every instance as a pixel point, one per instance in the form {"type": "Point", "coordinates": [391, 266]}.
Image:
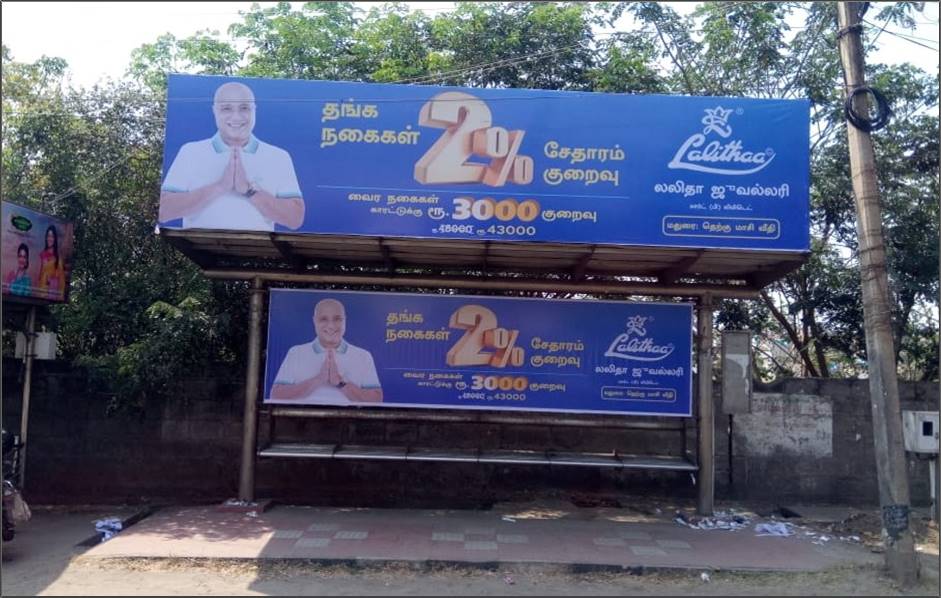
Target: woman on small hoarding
{"type": "Point", "coordinates": [17, 280]}
{"type": "Point", "coordinates": [51, 272]}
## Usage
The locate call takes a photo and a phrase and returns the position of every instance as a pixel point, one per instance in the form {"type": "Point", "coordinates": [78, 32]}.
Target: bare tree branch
{"type": "Point", "coordinates": [792, 334]}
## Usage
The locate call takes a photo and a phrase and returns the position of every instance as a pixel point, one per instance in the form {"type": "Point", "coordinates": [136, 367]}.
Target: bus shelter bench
{"type": "Point", "coordinates": [611, 459]}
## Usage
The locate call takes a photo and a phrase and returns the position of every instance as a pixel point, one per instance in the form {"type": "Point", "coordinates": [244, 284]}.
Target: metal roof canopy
{"type": "Point", "coordinates": [497, 265]}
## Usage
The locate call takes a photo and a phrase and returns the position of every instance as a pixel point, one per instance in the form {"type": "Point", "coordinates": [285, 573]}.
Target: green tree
{"type": "Point", "coordinates": [144, 315]}
{"type": "Point", "coordinates": [537, 45]}
{"type": "Point", "coordinates": [627, 65]}
{"type": "Point", "coordinates": [312, 43]}
{"type": "Point", "coordinates": [93, 157]}
{"type": "Point", "coordinates": [747, 49]}
{"type": "Point", "coordinates": [201, 54]}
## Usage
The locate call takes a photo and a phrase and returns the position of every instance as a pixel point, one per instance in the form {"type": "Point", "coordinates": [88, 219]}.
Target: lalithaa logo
{"type": "Point", "coordinates": [634, 344]}
{"type": "Point", "coordinates": [717, 156]}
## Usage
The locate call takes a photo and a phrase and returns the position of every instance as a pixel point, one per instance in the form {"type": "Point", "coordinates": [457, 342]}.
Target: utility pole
{"type": "Point", "coordinates": [27, 385]}
{"type": "Point", "coordinates": [877, 314]}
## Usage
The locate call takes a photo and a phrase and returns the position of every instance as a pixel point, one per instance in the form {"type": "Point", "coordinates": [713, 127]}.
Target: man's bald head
{"type": "Point", "coordinates": [329, 304]}
{"type": "Point", "coordinates": [234, 108]}
{"type": "Point", "coordinates": [233, 92]}
{"type": "Point", "coordinates": [330, 323]}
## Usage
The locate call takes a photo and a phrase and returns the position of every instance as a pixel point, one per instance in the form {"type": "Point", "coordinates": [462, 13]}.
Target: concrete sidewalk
{"type": "Point", "coordinates": [557, 534]}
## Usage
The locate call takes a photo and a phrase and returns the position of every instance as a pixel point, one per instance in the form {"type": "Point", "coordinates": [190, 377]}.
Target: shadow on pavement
{"type": "Point", "coordinates": [44, 546]}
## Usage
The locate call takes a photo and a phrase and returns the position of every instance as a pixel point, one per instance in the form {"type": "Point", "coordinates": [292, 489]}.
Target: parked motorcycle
{"type": "Point", "coordinates": [15, 509]}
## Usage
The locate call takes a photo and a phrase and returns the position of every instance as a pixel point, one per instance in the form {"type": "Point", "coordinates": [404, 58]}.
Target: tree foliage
{"type": "Point", "coordinates": [144, 315]}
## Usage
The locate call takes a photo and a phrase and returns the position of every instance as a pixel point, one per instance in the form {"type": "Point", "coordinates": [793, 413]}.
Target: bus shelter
{"type": "Point", "coordinates": [486, 191]}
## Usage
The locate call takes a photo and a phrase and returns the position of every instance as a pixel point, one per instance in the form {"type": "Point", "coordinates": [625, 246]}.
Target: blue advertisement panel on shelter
{"type": "Point", "coordinates": [326, 157]}
{"type": "Point", "coordinates": [469, 352]}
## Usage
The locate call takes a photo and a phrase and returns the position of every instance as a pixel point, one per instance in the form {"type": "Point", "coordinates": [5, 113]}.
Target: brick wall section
{"type": "Point", "coordinates": [189, 450]}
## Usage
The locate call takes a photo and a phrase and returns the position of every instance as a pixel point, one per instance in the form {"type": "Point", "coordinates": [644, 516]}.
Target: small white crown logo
{"type": "Point", "coordinates": [717, 119]}
{"type": "Point", "coordinates": [635, 324]}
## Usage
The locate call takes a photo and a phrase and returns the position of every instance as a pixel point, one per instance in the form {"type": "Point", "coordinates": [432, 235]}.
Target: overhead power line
{"type": "Point", "coordinates": [65, 194]}
{"type": "Point", "coordinates": [905, 37]}
{"type": "Point", "coordinates": [493, 65]}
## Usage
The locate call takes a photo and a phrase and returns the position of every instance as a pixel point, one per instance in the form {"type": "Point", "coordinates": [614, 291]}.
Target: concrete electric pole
{"type": "Point", "coordinates": [877, 314]}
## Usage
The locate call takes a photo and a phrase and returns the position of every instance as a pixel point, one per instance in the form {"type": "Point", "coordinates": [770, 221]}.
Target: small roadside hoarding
{"type": "Point", "coordinates": [36, 255]}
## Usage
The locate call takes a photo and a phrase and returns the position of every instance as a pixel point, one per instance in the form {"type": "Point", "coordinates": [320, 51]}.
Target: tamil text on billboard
{"type": "Point", "coordinates": [468, 352]}
{"type": "Point", "coordinates": [36, 255]}
{"type": "Point", "coordinates": [494, 164]}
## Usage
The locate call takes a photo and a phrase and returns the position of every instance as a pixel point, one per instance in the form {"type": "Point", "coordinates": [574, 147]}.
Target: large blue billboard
{"type": "Point", "coordinates": [468, 352]}
{"type": "Point", "coordinates": [327, 157]}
